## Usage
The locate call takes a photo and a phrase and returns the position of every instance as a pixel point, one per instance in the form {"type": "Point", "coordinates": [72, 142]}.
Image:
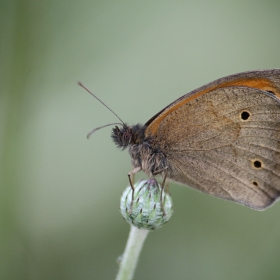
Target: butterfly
{"type": "Point", "coordinates": [222, 139]}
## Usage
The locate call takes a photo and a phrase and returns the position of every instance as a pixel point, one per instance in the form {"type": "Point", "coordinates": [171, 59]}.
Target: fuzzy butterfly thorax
{"type": "Point", "coordinates": [145, 152]}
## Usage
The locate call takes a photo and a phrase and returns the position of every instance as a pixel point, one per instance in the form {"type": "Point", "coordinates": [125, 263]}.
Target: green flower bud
{"type": "Point", "coordinates": [147, 210]}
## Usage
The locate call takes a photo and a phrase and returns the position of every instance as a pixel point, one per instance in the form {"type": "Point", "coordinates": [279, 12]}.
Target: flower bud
{"type": "Point", "coordinates": [148, 210]}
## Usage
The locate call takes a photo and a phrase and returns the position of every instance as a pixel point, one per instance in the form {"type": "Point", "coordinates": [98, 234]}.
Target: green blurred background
{"type": "Point", "coordinates": [59, 191]}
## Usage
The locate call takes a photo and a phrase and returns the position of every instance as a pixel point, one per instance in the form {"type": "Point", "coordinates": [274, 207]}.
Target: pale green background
{"type": "Point", "coordinates": [60, 192]}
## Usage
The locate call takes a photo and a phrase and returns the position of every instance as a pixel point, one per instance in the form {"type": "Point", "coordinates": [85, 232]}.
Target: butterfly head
{"type": "Point", "coordinates": [128, 135]}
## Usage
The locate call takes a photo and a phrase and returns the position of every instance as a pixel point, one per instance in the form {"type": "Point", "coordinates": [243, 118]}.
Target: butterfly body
{"type": "Point", "coordinates": [222, 139]}
{"type": "Point", "coordinates": [145, 151]}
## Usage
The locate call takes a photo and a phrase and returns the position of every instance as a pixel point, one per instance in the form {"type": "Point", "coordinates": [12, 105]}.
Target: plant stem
{"type": "Point", "coordinates": [132, 251]}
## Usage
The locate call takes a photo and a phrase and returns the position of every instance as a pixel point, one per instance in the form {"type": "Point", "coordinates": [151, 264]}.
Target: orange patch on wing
{"type": "Point", "coordinates": [262, 84]}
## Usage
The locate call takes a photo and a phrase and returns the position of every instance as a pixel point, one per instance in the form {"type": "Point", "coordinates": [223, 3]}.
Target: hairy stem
{"type": "Point", "coordinates": [132, 251]}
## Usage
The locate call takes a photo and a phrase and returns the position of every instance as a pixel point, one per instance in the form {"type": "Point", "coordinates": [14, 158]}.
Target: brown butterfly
{"type": "Point", "coordinates": [222, 139]}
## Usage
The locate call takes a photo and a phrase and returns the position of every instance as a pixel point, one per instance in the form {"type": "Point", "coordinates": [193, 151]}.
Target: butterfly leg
{"type": "Point", "coordinates": [131, 179]}
{"type": "Point", "coordinates": [162, 185]}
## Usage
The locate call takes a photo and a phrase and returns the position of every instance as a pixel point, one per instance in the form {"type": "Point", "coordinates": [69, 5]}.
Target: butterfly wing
{"type": "Point", "coordinates": [224, 142]}
{"type": "Point", "coordinates": [267, 80]}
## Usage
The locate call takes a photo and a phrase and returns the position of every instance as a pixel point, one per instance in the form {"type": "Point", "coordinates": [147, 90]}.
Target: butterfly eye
{"type": "Point", "coordinates": [126, 137]}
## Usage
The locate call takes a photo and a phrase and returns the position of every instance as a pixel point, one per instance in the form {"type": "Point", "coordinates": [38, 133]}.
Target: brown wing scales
{"type": "Point", "coordinates": [226, 143]}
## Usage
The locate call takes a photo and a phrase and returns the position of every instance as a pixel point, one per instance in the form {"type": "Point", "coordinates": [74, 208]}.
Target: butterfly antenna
{"type": "Point", "coordinates": [80, 84]}
{"type": "Point", "coordinates": [97, 128]}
